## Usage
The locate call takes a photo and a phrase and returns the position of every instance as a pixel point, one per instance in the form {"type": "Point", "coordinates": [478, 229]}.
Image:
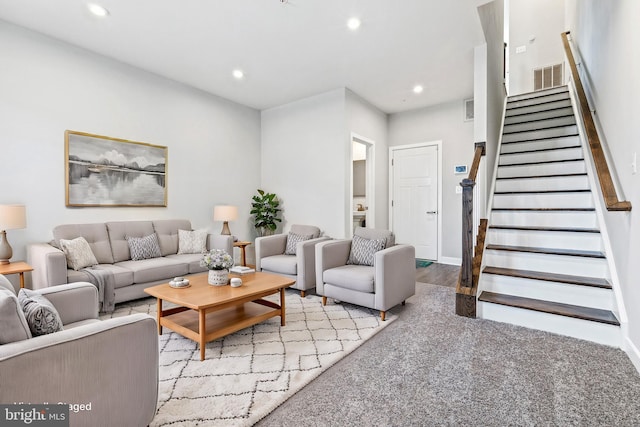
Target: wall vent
{"type": "Point", "coordinates": [468, 109]}
{"type": "Point", "coordinates": [548, 77]}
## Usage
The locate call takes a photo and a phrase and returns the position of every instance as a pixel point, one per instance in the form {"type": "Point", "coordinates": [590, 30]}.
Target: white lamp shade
{"type": "Point", "coordinates": [13, 217]}
{"type": "Point", "coordinates": [225, 213]}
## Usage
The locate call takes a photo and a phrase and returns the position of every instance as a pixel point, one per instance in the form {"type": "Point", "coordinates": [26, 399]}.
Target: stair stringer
{"type": "Point", "coordinates": [604, 334]}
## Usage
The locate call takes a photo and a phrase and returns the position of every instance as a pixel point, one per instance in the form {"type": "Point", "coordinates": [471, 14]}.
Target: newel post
{"type": "Point", "coordinates": [466, 270]}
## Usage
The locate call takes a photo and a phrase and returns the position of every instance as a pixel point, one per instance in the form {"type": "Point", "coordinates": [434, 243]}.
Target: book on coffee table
{"type": "Point", "coordinates": [239, 269]}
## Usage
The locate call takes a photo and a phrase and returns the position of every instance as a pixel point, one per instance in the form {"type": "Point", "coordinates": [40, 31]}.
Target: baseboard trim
{"type": "Point", "coordinates": [633, 353]}
{"type": "Point", "coordinates": [450, 260]}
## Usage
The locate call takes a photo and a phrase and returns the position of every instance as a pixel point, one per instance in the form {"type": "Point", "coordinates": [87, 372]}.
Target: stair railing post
{"type": "Point", "coordinates": [466, 270]}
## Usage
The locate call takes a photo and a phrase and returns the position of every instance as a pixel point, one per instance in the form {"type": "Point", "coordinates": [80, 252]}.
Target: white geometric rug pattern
{"type": "Point", "coordinates": [247, 374]}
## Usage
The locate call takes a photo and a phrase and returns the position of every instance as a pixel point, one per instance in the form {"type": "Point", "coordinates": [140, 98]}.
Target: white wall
{"type": "Point", "coordinates": [544, 21]}
{"type": "Point", "coordinates": [366, 120]}
{"type": "Point", "coordinates": [607, 36]}
{"type": "Point", "coordinates": [48, 86]}
{"type": "Point", "coordinates": [305, 156]}
{"type": "Point", "coordinates": [443, 122]}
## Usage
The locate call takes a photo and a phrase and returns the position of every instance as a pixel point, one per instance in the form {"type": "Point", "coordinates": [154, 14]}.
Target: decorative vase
{"type": "Point", "coordinates": [218, 277]}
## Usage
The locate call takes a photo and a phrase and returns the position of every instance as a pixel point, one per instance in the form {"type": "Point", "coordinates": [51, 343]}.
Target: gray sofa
{"type": "Point", "coordinates": [111, 365]}
{"type": "Point", "coordinates": [109, 245]}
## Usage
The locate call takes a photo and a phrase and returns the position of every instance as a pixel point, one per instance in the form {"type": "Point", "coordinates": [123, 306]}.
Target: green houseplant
{"type": "Point", "coordinates": [265, 210]}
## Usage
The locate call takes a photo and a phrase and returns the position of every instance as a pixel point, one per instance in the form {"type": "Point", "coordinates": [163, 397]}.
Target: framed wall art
{"type": "Point", "coordinates": [105, 171]}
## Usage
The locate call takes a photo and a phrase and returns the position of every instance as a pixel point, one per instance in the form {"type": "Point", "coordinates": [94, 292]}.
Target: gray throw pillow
{"type": "Point", "coordinates": [41, 315]}
{"type": "Point", "coordinates": [13, 325]}
{"type": "Point", "coordinates": [292, 242]}
{"type": "Point", "coordinates": [363, 250]}
{"type": "Point", "coordinates": [144, 247]}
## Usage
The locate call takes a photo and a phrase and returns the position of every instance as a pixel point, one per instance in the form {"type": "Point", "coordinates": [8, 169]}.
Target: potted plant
{"type": "Point", "coordinates": [218, 261]}
{"type": "Point", "coordinates": [265, 210]}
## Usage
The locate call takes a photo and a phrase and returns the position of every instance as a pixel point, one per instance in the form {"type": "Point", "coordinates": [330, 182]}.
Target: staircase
{"type": "Point", "coordinates": [544, 263]}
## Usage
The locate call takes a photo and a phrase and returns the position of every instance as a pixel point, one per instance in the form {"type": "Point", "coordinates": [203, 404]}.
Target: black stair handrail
{"type": "Point", "coordinates": [612, 202]}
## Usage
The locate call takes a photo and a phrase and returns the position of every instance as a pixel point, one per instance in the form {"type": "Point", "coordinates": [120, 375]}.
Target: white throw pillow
{"type": "Point", "coordinates": [78, 252]}
{"type": "Point", "coordinates": [192, 242]}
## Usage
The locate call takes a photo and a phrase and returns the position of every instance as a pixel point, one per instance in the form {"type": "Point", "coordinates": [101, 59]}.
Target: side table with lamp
{"type": "Point", "coordinates": [12, 217]}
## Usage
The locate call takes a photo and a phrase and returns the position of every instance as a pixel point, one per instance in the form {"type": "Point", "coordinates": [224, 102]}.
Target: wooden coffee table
{"type": "Point", "coordinates": [206, 313]}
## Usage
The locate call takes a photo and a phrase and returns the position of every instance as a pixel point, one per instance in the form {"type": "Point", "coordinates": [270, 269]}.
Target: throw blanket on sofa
{"type": "Point", "coordinates": [105, 283]}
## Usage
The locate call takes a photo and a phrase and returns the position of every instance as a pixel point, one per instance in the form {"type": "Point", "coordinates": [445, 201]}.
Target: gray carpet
{"type": "Point", "coordinates": [431, 367]}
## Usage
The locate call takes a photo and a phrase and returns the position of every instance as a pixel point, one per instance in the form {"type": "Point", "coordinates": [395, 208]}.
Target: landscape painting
{"type": "Point", "coordinates": [104, 171]}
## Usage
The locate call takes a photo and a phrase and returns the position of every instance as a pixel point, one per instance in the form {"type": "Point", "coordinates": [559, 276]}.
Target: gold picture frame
{"type": "Point", "coordinates": [105, 171]}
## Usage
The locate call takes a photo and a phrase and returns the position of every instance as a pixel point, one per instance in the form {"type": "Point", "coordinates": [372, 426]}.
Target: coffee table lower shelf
{"type": "Point", "coordinates": [219, 323]}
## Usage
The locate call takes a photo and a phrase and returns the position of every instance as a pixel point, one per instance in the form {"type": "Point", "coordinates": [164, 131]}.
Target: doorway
{"type": "Point", "coordinates": [416, 197]}
{"type": "Point", "coordinates": [362, 206]}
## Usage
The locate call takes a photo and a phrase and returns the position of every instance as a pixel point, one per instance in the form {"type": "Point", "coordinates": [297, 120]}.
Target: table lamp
{"type": "Point", "coordinates": [225, 213]}
{"type": "Point", "coordinates": [12, 217]}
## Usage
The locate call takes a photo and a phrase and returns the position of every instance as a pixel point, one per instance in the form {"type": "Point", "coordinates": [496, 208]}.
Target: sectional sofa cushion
{"type": "Point", "coordinates": [13, 324]}
{"type": "Point", "coordinates": [192, 242]}
{"type": "Point", "coordinates": [78, 253]}
{"type": "Point", "coordinates": [118, 232]}
{"type": "Point", "coordinates": [42, 317]}
{"type": "Point", "coordinates": [167, 231]}
{"type": "Point", "coordinates": [150, 270]}
{"type": "Point", "coordinates": [285, 264]}
{"type": "Point", "coordinates": [358, 278]}
{"type": "Point", "coordinates": [95, 234]}
{"type": "Point", "coordinates": [143, 247]}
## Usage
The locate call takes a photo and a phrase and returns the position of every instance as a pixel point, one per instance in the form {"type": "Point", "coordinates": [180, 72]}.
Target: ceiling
{"type": "Point", "coordinates": [288, 49]}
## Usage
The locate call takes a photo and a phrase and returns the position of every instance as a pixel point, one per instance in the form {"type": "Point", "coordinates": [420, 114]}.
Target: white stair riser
{"type": "Point", "coordinates": [582, 329]}
{"type": "Point", "coordinates": [586, 296]}
{"type": "Point", "coordinates": [539, 124]}
{"type": "Point", "coordinates": [542, 115]}
{"type": "Point", "coordinates": [539, 93]}
{"type": "Point", "coordinates": [513, 112]}
{"type": "Point", "coordinates": [543, 184]}
{"type": "Point", "coordinates": [541, 156]}
{"type": "Point", "coordinates": [560, 264]}
{"type": "Point", "coordinates": [546, 239]}
{"type": "Point", "coordinates": [540, 134]}
{"type": "Point", "coordinates": [541, 200]}
{"type": "Point", "coordinates": [545, 219]}
{"type": "Point", "coordinates": [537, 100]}
{"type": "Point", "coordinates": [542, 144]}
{"type": "Point", "coordinates": [577, 166]}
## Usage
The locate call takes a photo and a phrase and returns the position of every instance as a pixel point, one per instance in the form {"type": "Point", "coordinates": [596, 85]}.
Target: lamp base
{"type": "Point", "coordinates": [5, 249]}
{"type": "Point", "coordinates": [225, 228]}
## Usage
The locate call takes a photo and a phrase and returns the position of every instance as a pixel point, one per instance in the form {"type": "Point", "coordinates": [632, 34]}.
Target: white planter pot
{"type": "Point", "coordinates": [218, 277]}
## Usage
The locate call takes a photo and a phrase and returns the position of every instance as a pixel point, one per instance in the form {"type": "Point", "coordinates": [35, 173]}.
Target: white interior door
{"type": "Point", "coordinates": [415, 199]}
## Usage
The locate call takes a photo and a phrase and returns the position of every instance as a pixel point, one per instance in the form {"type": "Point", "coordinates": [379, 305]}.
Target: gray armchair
{"type": "Point", "coordinates": [388, 282]}
{"type": "Point", "coordinates": [272, 256]}
{"type": "Point", "coordinates": [111, 365]}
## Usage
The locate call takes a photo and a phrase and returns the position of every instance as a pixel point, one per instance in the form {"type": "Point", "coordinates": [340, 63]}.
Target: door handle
{"type": "Point", "coordinates": [432, 212]}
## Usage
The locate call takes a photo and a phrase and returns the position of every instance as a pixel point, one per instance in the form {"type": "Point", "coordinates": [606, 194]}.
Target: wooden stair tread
{"type": "Point", "coordinates": [541, 162]}
{"type": "Point", "coordinates": [548, 251]}
{"type": "Point", "coordinates": [568, 310]}
{"type": "Point", "coordinates": [528, 228]}
{"type": "Point", "coordinates": [555, 175]}
{"type": "Point", "coordinates": [543, 191]}
{"type": "Point", "coordinates": [595, 282]}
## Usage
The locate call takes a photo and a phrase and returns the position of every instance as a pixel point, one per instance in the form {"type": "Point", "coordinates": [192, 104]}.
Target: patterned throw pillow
{"type": "Point", "coordinates": [363, 250]}
{"type": "Point", "coordinates": [41, 315]}
{"type": "Point", "coordinates": [143, 247]}
{"type": "Point", "coordinates": [78, 253]}
{"type": "Point", "coordinates": [192, 242]}
{"type": "Point", "coordinates": [292, 242]}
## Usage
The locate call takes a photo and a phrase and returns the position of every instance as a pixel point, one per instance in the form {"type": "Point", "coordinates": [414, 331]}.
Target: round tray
{"type": "Point", "coordinates": [179, 285]}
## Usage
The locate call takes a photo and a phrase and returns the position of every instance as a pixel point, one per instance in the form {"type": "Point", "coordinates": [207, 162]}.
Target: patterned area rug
{"type": "Point", "coordinates": [249, 373]}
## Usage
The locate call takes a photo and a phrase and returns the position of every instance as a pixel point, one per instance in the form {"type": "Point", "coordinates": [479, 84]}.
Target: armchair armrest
{"type": "Point", "coordinates": [306, 261]}
{"type": "Point", "coordinates": [74, 302]}
{"type": "Point", "coordinates": [220, 241]}
{"type": "Point", "coordinates": [49, 265]}
{"type": "Point", "coordinates": [395, 272]}
{"type": "Point", "coordinates": [330, 254]}
{"type": "Point", "coordinates": [269, 246]}
{"type": "Point", "coordinates": [111, 365]}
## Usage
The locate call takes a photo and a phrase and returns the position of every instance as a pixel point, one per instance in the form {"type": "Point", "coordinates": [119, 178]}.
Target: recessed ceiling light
{"type": "Point", "coordinates": [97, 10]}
{"type": "Point", "coordinates": [238, 74]}
{"type": "Point", "coordinates": [353, 23]}
{"type": "Point", "coordinates": [417, 89]}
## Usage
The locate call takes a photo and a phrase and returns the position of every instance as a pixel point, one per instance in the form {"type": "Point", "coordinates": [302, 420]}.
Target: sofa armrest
{"type": "Point", "coordinates": [269, 246]}
{"type": "Point", "coordinates": [49, 265]}
{"type": "Point", "coordinates": [220, 241]}
{"type": "Point", "coordinates": [74, 301]}
{"type": "Point", "coordinates": [111, 365]}
{"type": "Point", "coordinates": [330, 254]}
{"type": "Point", "coordinates": [306, 260]}
{"type": "Point", "coordinates": [395, 272]}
